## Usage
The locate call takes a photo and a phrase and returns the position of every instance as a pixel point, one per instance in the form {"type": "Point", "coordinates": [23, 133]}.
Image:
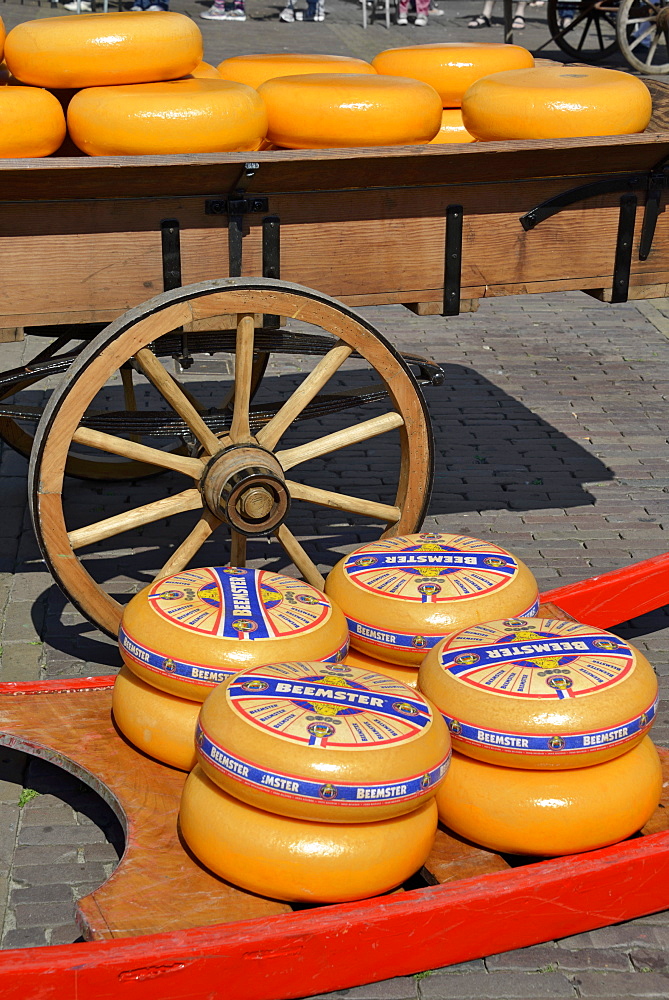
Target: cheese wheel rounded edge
{"type": "Point", "coordinates": [402, 595]}
{"type": "Point", "coordinates": [94, 50]}
{"type": "Point", "coordinates": [452, 128]}
{"type": "Point", "coordinates": [556, 102]}
{"type": "Point", "coordinates": [160, 724]}
{"type": "Point", "coordinates": [33, 123]}
{"type": "Point", "coordinates": [297, 861]}
{"type": "Point", "coordinates": [551, 813]}
{"type": "Point", "coordinates": [407, 675]}
{"type": "Point", "coordinates": [195, 629]}
{"type": "Point", "coordinates": [541, 693]}
{"type": "Point", "coordinates": [254, 70]}
{"type": "Point", "coordinates": [451, 67]}
{"type": "Point", "coordinates": [328, 111]}
{"type": "Point", "coordinates": [323, 741]}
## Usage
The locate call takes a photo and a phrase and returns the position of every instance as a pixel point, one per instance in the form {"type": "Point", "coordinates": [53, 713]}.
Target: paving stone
{"type": "Point", "coordinates": [622, 984]}
{"type": "Point", "coordinates": [495, 985]}
{"type": "Point", "coordinates": [593, 959]}
{"type": "Point", "coordinates": [21, 661]}
{"type": "Point", "coordinates": [623, 935]}
{"type": "Point", "coordinates": [24, 937]}
{"type": "Point", "coordinates": [645, 960]}
{"type": "Point", "coordinates": [404, 988]}
{"type": "Point", "coordinates": [43, 914]}
{"type": "Point", "coordinates": [30, 835]}
{"type": "Point", "coordinates": [71, 874]}
{"type": "Point", "coordinates": [541, 957]}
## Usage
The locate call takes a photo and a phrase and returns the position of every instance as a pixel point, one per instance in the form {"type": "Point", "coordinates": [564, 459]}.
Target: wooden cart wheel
{"type": "Point", "coordinates": [584, 29]}
{"type": "Point", "coordinates": [643, 34]}
{"type": "Point", "coordinates": [243, 477]}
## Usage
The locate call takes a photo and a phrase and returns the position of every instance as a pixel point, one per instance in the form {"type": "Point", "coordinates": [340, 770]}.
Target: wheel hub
{"type": "Point", "coordinates": [662, 19]}
{"type": "Point", "coordinates": [245, 486]}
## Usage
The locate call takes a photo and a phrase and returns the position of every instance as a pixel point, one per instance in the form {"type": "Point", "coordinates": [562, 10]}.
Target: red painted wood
{"type": "Point", "coordinates": [339, 946]}
{"type": "Point", "coordinates": [616, 597]}
{"type": "Point", "coordinates": [50, 687]}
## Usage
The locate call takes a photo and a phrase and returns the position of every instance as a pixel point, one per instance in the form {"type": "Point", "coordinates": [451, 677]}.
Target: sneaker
{"type": "Point", "coordinates": [157, 6]}
{"type": "Point", "coordinates": [436, 11]}
{"type": "Point", "coordinates": [83, 6]}
{"type": "Point", "coordinates": [402, 19]}
{"type": "Point", "coordinates": [421, 20]}
{"type": "Point", "coordinates": [287, 15]}
{"type": "Point", "coordinates": [220, 14]}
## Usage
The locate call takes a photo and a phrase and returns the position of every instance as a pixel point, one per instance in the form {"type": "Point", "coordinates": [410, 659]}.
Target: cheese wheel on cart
{"type": "Point", "coordinates": [407, 675]}
{"type": "Point", "coordinates": [549, 813]}
{"type": "Point", "coordinates": [191, 631]}
{"type": "Point", "coordinates": [556, 102]}
{"type": "Point", "coordinates": [205, 71]}
{"type": "Point", "coordinates": [402, 595]}
{"type": "Point", "coordinates": [326, 742]}
{"type": "Point", "coordinates": [177, 116]}
{"type": "Point", "coordinates": [256, 69]}
{"type": "Point", "coordinates": [328, 111]}
{"type": "Point", "coordinates": [452, 128]}
{"type": "Point", "coordinates": [159, 724]}
{"type": "Point", "coordinates": [297, 861]}
{"type": "Point", "coordinates": [33, 123]}
{"type": "Point", "coordinates": [98, 50]}
{"type": "Point", "coordinates": [451, 67]}
{"type": "Point", "coordinates": [541, 693]}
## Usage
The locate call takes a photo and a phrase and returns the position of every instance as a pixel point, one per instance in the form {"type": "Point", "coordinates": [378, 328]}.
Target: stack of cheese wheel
{"type": "Point", "coordinates": [556, 101]}
{"type": "Point", "coordinates": [183, 635]}
{"type": "Point", "coordinates": [315, 782]}
{"type": "Point", "coordinates": [142, 86]}
{"type": "Point", "coordinates": [549, 719]}
{"type": "Point", "coordinates": [402, 595]}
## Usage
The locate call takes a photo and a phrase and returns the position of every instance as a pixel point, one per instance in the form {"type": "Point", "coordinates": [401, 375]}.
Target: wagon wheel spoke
{"type": "Point", "coordinates": [299, 557]}
{"type": "Point", "coordinates": [640, 37]}
{"type": "Point", "coordinates": [110, 526]}
{"type": "Point", "coordinates": [237, 548]}
{"type": "Point", "coordinates": [139, 452]}
{"type": "Point", "coordinates": [270, 434]}
{"type": "Point", "coordinates": [651, 52]}
{"type": "Point", "coordinates": [340, 439]}
{"type": "Point", "coordinates": [200, 407]}
{"type": "Point", "coordinates": [240, 430]}
{"type": "Point", "coordinates": [174, 395]}
{"type": "Point", "coordinates": [340, 501]}
{"type": "Point", "coordinates": [193, 542]}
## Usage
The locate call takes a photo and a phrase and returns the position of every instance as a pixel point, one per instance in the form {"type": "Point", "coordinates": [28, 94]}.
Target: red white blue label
{"type": "Point", "coordinates": [336, 793]}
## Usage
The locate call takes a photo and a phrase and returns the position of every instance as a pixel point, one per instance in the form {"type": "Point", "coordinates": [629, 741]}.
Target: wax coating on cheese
{"type": "Point", "coordinates": [402, 595]}
{"type": "Point", "coordinates": [323, 741]}
{"type": "Point", "coordinates": [549, 813]}
{"type": "Point", "coordinates": [452, 128]}
{"type": "Point", "coordinates": [32, 122]}
{"type": "Point", "coordinates": [189, 632]}
{"type": "Point", "coordinates": [160, 724]}
{"type": "Point", "coordinates": [541, 693]}
{"type": "Point", "coordinates": [301, 861]}
{"type": "Point", "coordinates": [256, 69]}
{"type": "Point", "coordinates": [407, 675]}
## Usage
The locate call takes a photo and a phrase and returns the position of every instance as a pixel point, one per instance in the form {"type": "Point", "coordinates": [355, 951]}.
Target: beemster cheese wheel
{"type": "Point", "coordinates": [298, 861]}
{"type": "Point", "coordinates": [541, 693]}
{"type": "Point", "coordinates": [158, 723]}
{"type": "Point", "coordinates": [191, 631]}
{"type": "Point", "coordinates": [402, 595]}
{"type": "Point", "coordinates": [556, 102]}
{"type": "Point", "coordinates": [177, 116]}
{"type": "Point", "coordinates": [32, 122]}
{"type": "Point", "coordinates": [452, 129]}
{"type": "Point", "coordinates": [451, 67]}
{"type": "Point", "coordinates": [95, 50]}
{"type": "Point", "coordinates": [323, 741]}
{"type": "Point", "coordinates": [548, 813]}
{"type": "Point", "coordinates": [328, 111]}
{"type": "Point", "coordinates": [255, 69]}
{"type": "Point", "coordinates": [407, 675]}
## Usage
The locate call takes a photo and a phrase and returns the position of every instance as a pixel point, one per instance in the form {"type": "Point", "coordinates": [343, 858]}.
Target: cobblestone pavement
{"type": "Point", "coordinates": [551, 437]}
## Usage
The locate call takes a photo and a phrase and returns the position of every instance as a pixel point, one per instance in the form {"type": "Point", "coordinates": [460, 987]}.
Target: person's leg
{"type": "Point", "coordinates": [402, 11]}
{"type": "Point", "coordinates": [483, 19]}
{"type": "Point", "coordinates": [422, 9]}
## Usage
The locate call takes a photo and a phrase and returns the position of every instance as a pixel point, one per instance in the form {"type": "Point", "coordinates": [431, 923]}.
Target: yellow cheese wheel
{"type": "Point", "coordinates": [95, 50]}
{"type": "Point", "coordinates": [178, 116]}
{"type": "Point", "coordinates": [402, 595]}
{"type": "Point", "coordinates": [256, 69]}
{"type": "Point", "coordinates": [548, 813]}
{"type": "Point", "coordinates": [407, 675]}
{"type": "Point", "coordinates": [452, 129]}
{"type": "Point", "coordinates": [556, 102]}
{"type": "Point", "coordinates": [205, 71]}
{"type": "Point", "coordinates": [191, 631]}
{"type": "Point", "coordinates": [451, 67]}
{"type": "Point", "coordinates": [541, 693]}
{"type": "Point", "coordinates": [160, 724]}
{"type": "Point", "coordinates": [323, 741]}
{"type": "Point", "coordinates": [298, 861]}
{"type": "Point", "coordinates": [32, 122]}
{"type": "Point", "coordinates": [327, 110]}
{"type": "Point", "coordinates": [3, 35]}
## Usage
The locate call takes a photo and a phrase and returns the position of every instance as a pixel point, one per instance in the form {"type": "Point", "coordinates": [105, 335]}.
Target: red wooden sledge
{"type": "Point", "coordinates": [220, 942]}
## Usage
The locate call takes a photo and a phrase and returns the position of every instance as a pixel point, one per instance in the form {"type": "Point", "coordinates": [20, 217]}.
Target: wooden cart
{"type": "Point", "coordinates": [87, 242]}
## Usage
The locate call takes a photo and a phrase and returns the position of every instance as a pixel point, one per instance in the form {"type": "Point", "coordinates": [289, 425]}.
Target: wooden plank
{"type": "Point", "coordinates": [453, 858]}
{"type": "Point", "coordinates": [430, 308]}
{"type": "Point", "coordinates": [11, 334]}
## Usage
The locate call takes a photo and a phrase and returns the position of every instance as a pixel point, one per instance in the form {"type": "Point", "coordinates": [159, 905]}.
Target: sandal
{"type": "Point", "coordinates": [480, 22]}
{"type": "Point", "coordinates": [518, 23]}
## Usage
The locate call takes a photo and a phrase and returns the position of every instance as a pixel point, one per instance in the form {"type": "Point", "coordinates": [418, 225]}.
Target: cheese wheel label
{"type": "Point", "coordinates": [307, 704]}
{"type": "Point", "coordinates": [300, 789]}
{"type": "Point", "coordinates": [526, 660]}
{"type": "Point", "coordinates": [235, 603]}
{"type": "Point", "coordinates": [431, 568]}
{"type": "Point", "coordinates": [556, 743]}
